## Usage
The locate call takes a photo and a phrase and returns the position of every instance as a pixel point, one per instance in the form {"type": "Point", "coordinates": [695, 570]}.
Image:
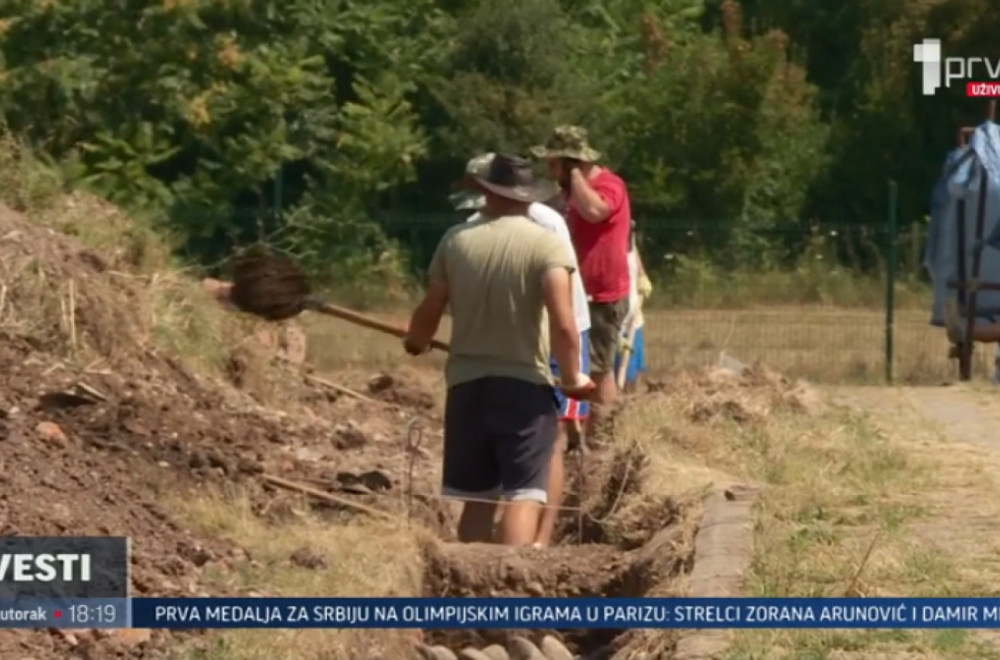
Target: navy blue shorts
{"type": "Point", "coordinates": [499, 435]}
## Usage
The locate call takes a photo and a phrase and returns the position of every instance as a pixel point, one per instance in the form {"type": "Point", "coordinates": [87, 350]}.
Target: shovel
{"type": "Point", "coordinates": [276, 288]}
{"type": "Point", "coordinates": [627, 351]}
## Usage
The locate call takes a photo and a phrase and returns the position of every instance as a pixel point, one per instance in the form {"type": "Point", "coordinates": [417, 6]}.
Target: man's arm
{"type": "Point", "coordinates": [563, 334]}
{"type": "Point", "coordinates": [595, 203]}
{"type": "Point", "coordinates": [426, 317]}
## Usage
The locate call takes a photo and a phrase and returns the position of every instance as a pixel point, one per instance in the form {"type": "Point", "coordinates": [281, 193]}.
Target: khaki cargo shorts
{"type": "Point", "coordinates": [606, 320]}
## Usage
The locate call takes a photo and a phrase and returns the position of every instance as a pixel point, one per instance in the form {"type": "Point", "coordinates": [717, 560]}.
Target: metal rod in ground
{"type": "Point", "coordinates": [892, 249]}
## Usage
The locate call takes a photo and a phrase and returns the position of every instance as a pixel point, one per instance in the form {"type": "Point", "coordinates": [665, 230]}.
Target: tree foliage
{"type": "Point", "coordinates": [316, 123]}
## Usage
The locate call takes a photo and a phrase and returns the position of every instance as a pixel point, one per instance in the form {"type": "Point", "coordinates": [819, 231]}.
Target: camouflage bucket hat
{"type": "Point", "coordinates": [470, 199]}
{"type": "Point", "coordinates": [567, 142]}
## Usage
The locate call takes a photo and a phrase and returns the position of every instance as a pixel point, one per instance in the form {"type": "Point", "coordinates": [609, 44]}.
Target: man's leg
{"type": "Point", "coordinates": [554, 492]}
{"type": "Point", "coordinates": [571, 412]}
{"type": "Point", "coordinates": [523, 427]}
{"type": "Point", "coordinates": [476, 522]}
{"type": "Point", "coordinates": [470, 469]}
{"type": "Point", "coordinates": [606, 325]}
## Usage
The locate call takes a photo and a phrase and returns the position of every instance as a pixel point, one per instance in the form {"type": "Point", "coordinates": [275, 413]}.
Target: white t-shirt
{"type": "Point", "coordinates": [552, 220]}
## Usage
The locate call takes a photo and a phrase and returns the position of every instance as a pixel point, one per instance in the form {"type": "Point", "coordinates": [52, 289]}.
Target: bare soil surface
{"type": "Point", "coordinates": [92, 435]}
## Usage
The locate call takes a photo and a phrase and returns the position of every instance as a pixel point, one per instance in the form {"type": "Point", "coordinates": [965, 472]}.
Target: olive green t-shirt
{"type": "Point", "coordinates": [494, 270]}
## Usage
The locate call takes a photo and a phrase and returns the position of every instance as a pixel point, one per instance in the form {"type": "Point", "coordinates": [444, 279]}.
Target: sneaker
{"type": "Point", "coordinates": [954, 322]}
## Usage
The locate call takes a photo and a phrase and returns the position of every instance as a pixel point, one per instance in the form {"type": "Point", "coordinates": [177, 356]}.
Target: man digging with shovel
{"type": "Point", "coordinates": [572, 413]}
{"type": "Point", "coordinates": [499, 275]}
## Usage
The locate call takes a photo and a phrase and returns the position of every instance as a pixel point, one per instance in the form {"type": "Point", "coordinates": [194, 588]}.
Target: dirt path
{"type": "Point", "coordinates": [965, 415]}
{"type": "Point", "coordinates": [955, 430]}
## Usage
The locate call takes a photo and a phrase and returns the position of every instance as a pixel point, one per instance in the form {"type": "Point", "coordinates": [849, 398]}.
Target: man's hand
{"type": "Point", "coordinates": [644, 286]}
{"type": "Point", "coordinates": [566, 167]}
{"type": "Point", "coordinates": [581, 388]}
{"type": "Point", "coordinates": [413, 349]}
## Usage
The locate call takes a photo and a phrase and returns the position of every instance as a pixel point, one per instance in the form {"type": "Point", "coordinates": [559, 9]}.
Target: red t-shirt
{"type": "Point", "coordinates": [602, 247]}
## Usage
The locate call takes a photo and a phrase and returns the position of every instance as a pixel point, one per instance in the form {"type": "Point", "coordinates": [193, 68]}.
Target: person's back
{"type": "Point", "coordinates": [550, 219]}
{"type": "Point", "coordinates": [494, 271]}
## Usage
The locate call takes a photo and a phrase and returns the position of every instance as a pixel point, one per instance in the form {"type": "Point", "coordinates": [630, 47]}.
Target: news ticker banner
{"type": "Point", "coordinates": [523, 613]}
{"type": "Point", "coordinates": [64, 582]}
{"type": "Point", "coordinates": [83, 582]}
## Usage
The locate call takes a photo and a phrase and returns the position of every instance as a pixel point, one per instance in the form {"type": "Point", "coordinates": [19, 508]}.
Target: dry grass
{"type": "Point", "coordinates": [365, 559]}
{"type": "Point", "coordinates": [821, 344]}
{"type": "Point", "coordinates": [109, 296]}
{"type": "Point", "coordinates": [836, 485]}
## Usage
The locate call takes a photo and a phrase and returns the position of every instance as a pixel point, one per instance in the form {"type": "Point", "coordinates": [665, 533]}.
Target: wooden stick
{"type": "Point", "coordinates": [340, 388]}
{"type": "Point", "coordinates": [852, 587]}
{"type": "Point", "coordinates": [326, 497]}
{"type": "Point", "coordinates": [87, 389]}
{"type": "Point", "coordinates": [72, 314]}
{"type": "Point", "coordinates": [366, 322]}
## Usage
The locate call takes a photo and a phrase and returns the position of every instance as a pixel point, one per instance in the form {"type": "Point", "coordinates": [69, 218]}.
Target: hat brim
{"type": "Point", "coordinates": [586, 154]}
{"type": "Point", "coordinates": [537, 192]}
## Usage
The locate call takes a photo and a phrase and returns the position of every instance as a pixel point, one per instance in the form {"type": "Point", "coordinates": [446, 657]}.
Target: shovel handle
{"type": "Point", "coordinates": [364, 321]}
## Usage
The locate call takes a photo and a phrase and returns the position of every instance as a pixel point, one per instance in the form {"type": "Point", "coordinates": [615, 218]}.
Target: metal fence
{"type": "Point", "coordinates": [830, 303]}
{"type": "Point", "coordinates": [834, 304]}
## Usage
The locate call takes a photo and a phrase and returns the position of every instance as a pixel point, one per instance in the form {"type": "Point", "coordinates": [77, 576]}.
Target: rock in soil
{"type": "Point", "coordinates": [523, 649]}
{"type": "Point", "coordinates": [472, 654]}
{"type": "Point", "coordinates": [496, 652]}
{"type": "Point", "coordinates": [435, 652]}
{"type": "Point", "coordinates": [309, 559]}
{"type": "Point", "coordinates": [553, 649]}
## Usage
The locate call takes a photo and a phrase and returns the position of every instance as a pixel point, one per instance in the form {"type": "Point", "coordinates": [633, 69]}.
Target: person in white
{"type": "Point", "coordinates": [631, 363]}
{"type": "Point", "coordinates": [572, 413]}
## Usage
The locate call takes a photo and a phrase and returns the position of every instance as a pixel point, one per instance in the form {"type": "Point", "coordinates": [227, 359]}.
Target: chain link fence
{"type": "Point", "coordinates": [832, 304]}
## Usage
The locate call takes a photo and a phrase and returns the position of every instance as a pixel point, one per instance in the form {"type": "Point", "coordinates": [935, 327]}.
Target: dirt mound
{"type": "Point", "coordinates": [586, 571]}
{"type": "Point", "coordinates": [98, 422]}
{"type": "Point", "coordinates": [747, 395]}
{"type": "Point", "coordinates": [615, 540]}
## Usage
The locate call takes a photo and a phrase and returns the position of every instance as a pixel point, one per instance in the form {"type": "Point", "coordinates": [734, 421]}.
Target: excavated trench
{"type": "Point", "coordinates": [623, 543]}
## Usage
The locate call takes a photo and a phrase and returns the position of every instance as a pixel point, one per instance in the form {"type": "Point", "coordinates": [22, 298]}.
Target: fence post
{"type": "Point", "coordinates": [279, 190]}
{"type": "Point", "coordinates": [891, 266]}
